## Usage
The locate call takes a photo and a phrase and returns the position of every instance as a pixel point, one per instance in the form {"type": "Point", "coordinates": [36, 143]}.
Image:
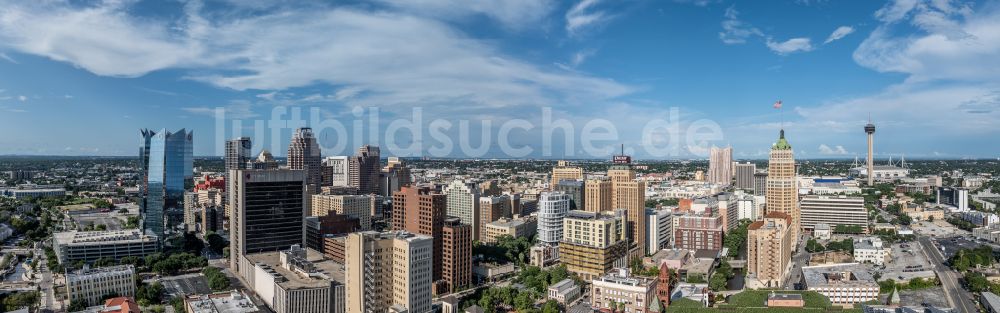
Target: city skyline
{"type": "Point", "coordinates": [832, 64]}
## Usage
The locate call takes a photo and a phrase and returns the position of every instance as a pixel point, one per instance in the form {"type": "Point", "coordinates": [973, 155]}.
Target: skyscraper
{"type": "Point", "coordinates": [630, 194]}
{"type": "Point", "coordinates": [335, 171]}
{"type": "Point", "coordinates": [365, 169]}
{"type": "Point", "coordinates": [457, 254]}
{"type": "Point", "coordinates": [237, 153]}
{"type": "Point", "coordinates": [744, 175]}
{"type": "Point", "coordinates": [769, 250]}
{"type": "Point", "coordinates": [394, 175]}
{"type": "Point", "coordinates": [593, 243]}
{"type": "Point", "coordinates": [782, 193]}
{"type": "Point", "coordinates": [597, 195]}
{"type": "Point", "coordinates": [421, 210]}
{"type": "Point", "coordinates": [575, 189]}
{"type": "Point", "coordinates": [167, 174]}
{"type": "Point", "coordinates": [463, 203]}
{"type": "Point", "coordinates": [720, 162]}
{"type": "Point", "coordinates": [304, 154]}
{"type": "Point", "coordinates": [563, 170]}
{"type": "Point", "coordinates": [386, 270]}
{"type": "Point", "coordinates": [268, 213]}
{"type": "Point", "coordinates": [552, 208]}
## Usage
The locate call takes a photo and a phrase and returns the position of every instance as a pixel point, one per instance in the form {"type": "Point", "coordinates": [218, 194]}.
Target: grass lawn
{"type": "Point", "coordinates": [754, 301]}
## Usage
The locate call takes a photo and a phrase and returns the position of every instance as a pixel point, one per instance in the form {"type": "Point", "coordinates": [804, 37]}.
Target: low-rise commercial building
{"type": "Point", "coordinates": [89, 246]}
{"type": "Point", "coordinates": [564, 291]}
{"type": "Point", "coordinates": [295, 281]}
{"type": "Point", "coordinates": [621, 289]}
{"type": "Point", "coordinates": [833, 210]}
{"type": "Point", "coordinates": [516, 227]}
{"type": "Point", "coordinates": [845, 284]}
{"type": "Point", "coordinates": [92, 285]}
{"type": "Point", "coordinates": [223, 302]}
{"type": "Point", "coordinates": [870, 250]}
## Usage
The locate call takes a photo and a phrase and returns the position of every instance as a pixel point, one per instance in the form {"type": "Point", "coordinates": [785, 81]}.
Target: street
{"type": "Point", "coordinates": [799, 259]}
{"type": "Point", "coordinates": [958, 298]}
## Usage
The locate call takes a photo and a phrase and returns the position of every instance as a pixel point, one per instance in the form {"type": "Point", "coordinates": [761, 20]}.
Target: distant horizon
{"type": "Point", "coordinates": [894, 159]}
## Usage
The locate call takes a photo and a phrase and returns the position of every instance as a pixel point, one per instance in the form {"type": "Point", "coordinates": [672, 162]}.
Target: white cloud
{"type": "Point", "coordinates": [583, 15]}
{"type": "Point", "coordinates": [735, 31]}
{"type": "Point", "coordinates": [22, 98]}
{"type": "Point", "coordinates": [236, 109]}
{"type": "Point", "coordinates": [700, 3]}
{"type": "Point", "coordinates": [512, 14]}
{"type": "Point", "coordinates": [838, 150]}
{"type": "Point", "coordinates": [7, 58]}
{"type": "Point", "coordinates": [790, 46]}
{"type": "Point", "coordinates": [951, 42]}
{"type": "Point", "coordinates": [431, 62]}
{"type": "Point", "coordinates": [839, 33]}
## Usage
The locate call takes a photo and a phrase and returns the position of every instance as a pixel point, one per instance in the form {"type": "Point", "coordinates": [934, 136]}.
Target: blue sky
{"type": "Point", "coordinates": [80, 78]}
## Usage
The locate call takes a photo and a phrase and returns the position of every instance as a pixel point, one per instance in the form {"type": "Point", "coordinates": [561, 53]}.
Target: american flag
{"type": "Point", "coordinates": [777, 105]}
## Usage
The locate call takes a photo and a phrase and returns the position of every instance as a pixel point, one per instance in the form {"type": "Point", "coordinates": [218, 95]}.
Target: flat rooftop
{"type": "Point", "coordinates": [295, 280]}
{"type": "Point", "coordinates": [100, 237]}
{"type": "Point", "coordinates": [842, 275]}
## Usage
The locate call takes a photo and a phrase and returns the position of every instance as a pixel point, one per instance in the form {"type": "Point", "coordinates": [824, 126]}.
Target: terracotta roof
{"type": "Point", "coordinates": [125, 304]}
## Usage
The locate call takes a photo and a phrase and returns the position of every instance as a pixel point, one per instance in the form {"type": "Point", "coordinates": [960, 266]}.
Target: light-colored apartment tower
{"type": "Point", "coordinates": [463, 203]}
{"type": "Point", "coordinates": [744, 175]}
{"type": "Point", "coordinates": [630, 194]}
{"type": "Point", "coordinates": [387, 270]}
{"type": "Point", "coordinates": [597, 193]}
{"type": "Point", "coordinates": [593, 243]}
{"type": "Point", "coordinates": [563, 170]}
{"type": "Point", "coordinates": [336, 171]}
{"type": "Point", "coordinates": [720, 162]}
{"type": "Point", "coordinates": [356, 206]}
{"type": "Point", "coordinates": [552, 208]}
{"type": "Point", "coordinates": [782, 194]}
{"type": "Point", "coordinates": [769, 250]}
{"type": "Point", "coordinates": [833, 210]}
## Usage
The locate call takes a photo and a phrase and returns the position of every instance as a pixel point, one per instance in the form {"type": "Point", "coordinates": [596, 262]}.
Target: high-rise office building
{"type": "Point", "coordinates": [456, 254]}
{"type": "Point", "coordinates": [630, 194]}
{"type": "Point", "coordinates": [957, 197]}
{"type": "Point", "coordinates": [336, 171]}
{"type": "Point", "coordinates": [769, 250]}
{"type": "Point", "coordinates": [760, 184]}
{"type": "Point", "coordinates": [575, 189]}
{"type": "Point", "coordinates": [698, 231]}
{"type": "Point", "coordinates": [237, 153]}
{"type": "Point", "coordinates": [493, 208]}
{"type": "Point", "coordinates": [388, 272]}
{"type": "Point", "coordinates": [563, 170]}
{"type": "Point", "coordinates": [263, 161]}
{"type": "Point", "coordinates": [552, 208]}
{"type": "Point", "coordinates": [597, 195]}
{"type": "Point", "coordinates": [463, 203]}
{"type": "Point", "coordinates": [304, 154]}
{"type": "Point", "coordinates": [421, 210]}
{"type": "Point", "coordinates": [593, 243]}
{"type": "Point", "coordinates": [394, 176]}
{"type": "Point", "coordinates": [168, 172]}
{"type": "Point", "coordinates": [833, 210]}
{"type": "Point", "coordinates": [782, 191]}
{"type": "Point", "coordinates": [365, 170]}
{"type": "Point", "coordinates": [744, 175]}
{"type": "Point", "coordinates": [720, 162]}
{"type": "Point", "coordinates": [355, 206]}
{"type": "Point", "coordinates": [268, 212]}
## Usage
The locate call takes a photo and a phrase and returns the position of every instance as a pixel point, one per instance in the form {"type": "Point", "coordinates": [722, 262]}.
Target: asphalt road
{"type": "Point", "coordinates": [958, 298]}
{"type": "Point", "coordinates": [48, 294]}
{"type": "Point", "coordinates": [799, 259]}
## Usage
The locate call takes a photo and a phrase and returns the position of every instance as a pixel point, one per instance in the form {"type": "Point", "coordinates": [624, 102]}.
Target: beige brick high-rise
{"type": "Point", "coordinates": [630, 194]}
{"type": "Point", "coordinates": [563, 170]}
{"type": "Point", "coordinates": [597, 195]}
{"type": "Point", "coordinates": [382, 270]}
{"type": "Point", "coordinates": [769, 250]}
{"type": "Point", "coordinates": [356, 206]}
{"type": "Point", "coordinates": [782, 192]}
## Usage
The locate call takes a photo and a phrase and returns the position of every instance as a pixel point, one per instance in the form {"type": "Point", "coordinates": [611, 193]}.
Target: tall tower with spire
{"type": "Point", "coordinates": [782, 192]}
{"type": "Point", "coordinates": [870, 130]}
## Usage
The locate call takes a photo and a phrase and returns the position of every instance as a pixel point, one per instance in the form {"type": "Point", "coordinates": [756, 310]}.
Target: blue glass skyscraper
{"type": "Point", "coordinates": [167, 172]}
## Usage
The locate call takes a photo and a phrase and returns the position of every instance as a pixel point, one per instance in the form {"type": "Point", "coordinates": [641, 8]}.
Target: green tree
{"type": "Point", "coordinates": [76, 305]}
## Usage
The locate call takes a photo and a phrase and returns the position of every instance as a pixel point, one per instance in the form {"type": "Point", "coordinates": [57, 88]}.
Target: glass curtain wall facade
{"type": "Point", "coordinates": [168, 173]}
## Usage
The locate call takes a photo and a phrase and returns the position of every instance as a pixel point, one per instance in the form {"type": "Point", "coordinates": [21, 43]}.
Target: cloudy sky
{"type": "Point", "coordinates": [80, 78]}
